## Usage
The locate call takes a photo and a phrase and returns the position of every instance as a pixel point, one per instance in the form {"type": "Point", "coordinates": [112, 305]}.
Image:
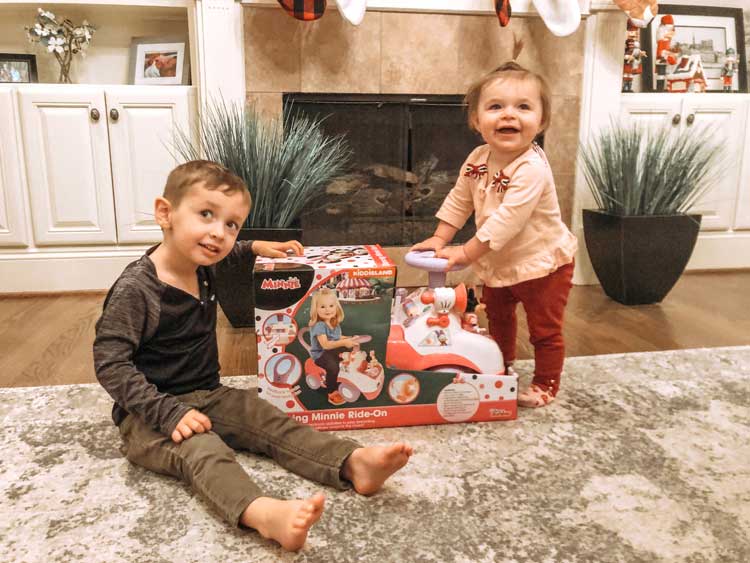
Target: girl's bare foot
{"type": "Point", "coordinates": [368, 468]}
{"type": "Point", "coordinates": [285, 521]}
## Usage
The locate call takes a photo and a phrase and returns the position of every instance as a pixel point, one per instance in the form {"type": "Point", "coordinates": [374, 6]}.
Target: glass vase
{"type": "Point", "coordinates": [64, 61]}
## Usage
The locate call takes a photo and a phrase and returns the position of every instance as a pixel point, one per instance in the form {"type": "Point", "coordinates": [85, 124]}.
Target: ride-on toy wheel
{"type": "Point", "coordinates": [349, 392]}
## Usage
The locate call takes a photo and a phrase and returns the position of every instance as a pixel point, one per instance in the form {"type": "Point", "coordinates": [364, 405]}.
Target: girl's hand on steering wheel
{"type": "Point", "coordinates": [432, 243]}
{"type": "Point", "coordinates": [456, 256]}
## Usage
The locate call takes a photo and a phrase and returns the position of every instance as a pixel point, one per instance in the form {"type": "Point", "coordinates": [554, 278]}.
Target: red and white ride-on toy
{"type": "Point", "coordinates": [359, 374]}
{"type": "Point", "coordinates": [428, 328]}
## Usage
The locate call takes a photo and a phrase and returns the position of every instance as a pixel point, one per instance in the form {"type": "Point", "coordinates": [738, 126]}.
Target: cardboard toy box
{"type": "Point", "coordinates": [363, 279]}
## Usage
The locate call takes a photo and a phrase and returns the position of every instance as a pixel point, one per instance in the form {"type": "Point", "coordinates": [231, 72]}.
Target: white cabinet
{"type": "Point", "coordinates": [653, 109]}
{"type": "Point", "coordinates": [725, 117]}
{"type": "Point", "coordinates": [724, 241]}
{"type": "Point", "coordinates": [96, 157]}
{"type": "Point", "coordinates": [142, 126]}
{"type": "Point", "coordinates": [742, 214]}
{"type": "Point", "coordinates": [66, 147]}
{"type": "Point", "coordinates": [12, 216]}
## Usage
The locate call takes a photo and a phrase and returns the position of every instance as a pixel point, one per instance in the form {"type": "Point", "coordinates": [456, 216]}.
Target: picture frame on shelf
{"type": "Point", "coordinates": [695, 49]}
{"type": "Point", "coordinates": [18, 68]}
{"type": "Point", "coordinates": [160, 61]}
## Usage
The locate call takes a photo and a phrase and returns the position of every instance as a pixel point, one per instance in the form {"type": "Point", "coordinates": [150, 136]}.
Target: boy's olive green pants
{"type": "Point", "coordinates": [240, 420]}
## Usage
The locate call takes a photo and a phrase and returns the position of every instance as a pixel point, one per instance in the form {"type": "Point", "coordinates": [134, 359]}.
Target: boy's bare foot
{"type": "Point", "coordinates": [285, 521]}
{"type": "Point", "coordinates": [368, 468]}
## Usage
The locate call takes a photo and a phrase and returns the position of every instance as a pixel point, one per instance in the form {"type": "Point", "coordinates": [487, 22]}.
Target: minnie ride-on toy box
{"type": "Point", "coordinates": [337, 352]}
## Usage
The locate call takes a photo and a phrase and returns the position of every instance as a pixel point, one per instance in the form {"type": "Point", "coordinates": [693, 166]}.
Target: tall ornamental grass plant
{"type": "Point", "coordinates": [286, 162]}
{"type": "Point", "coordinates": [637, 170]}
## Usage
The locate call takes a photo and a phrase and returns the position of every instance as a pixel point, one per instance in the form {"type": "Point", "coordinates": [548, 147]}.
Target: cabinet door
{"type": "Point", "coordinates": [12, 217]}
{"type": "Point", "coordinates": [742, 215]}
{"type": "Point", "coordinates": [67, 164]}
{"type": "Point", "coordinates": [725, 115]}
{"type": "Point", "coordinates": [142, 125]}
{"type": "Point", "coordinates": [652, 109]}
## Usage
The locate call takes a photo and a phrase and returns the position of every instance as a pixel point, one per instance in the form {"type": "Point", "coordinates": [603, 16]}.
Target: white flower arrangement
{"type": "Point", "coordinates": [61, 38]}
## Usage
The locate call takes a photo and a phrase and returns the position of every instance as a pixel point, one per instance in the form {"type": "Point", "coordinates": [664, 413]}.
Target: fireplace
{"type": "Point", "coordinates": [407, 153]}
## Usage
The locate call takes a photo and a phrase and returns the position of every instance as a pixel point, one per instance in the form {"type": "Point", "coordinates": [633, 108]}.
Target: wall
{"type": "Point", "coordinates": [107, 59]}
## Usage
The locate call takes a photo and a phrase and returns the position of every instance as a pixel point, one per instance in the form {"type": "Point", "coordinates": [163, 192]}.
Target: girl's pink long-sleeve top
{"type": "Point", "coordinates": [521, 220]}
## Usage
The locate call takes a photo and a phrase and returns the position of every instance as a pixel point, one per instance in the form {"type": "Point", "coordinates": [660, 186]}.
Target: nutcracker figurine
{"type": "Point", "coordinates": [666, 52]}
{"type": "Point", "coordinates": [728, 69]}
{"type": "Point", "coordinates": [633, 57]}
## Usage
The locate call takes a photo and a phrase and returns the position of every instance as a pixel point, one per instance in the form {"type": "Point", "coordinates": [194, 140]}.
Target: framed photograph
{"type": "Point", "coordinates": [17, 68]}
{"type": "Point", "coordinates": [695, 49]}
{"type": "Point", "coordinates": [159, 61]}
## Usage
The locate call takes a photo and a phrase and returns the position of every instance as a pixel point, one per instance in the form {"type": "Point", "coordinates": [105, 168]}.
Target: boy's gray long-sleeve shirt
{"type": "Point", "coordinates": [154, 341]}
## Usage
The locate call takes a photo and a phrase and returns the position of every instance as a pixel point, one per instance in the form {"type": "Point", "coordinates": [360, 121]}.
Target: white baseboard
{"type": "Point", "coordinates": [721, 251]}
{"type": "Point", "coordinates": [56, 271]}
{"type": "Point", "coordinates": [68, 271]}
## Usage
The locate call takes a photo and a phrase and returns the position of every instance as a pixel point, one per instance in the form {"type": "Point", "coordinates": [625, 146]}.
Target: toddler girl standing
{"type": "Point", "coordinates": [522, 250]}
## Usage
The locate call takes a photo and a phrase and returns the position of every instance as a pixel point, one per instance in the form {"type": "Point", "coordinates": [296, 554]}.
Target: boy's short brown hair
{"type": "Point", "coordinates": [511, 69]}
{"type": "Point", "coordinates": [210, 174]}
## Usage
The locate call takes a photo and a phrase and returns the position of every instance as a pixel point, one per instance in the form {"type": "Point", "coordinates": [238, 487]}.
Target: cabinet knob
{"type": "Point", "coordinates": [114, 114]}
{"type": "Point", "coordinates": [690, 119]}
{"type": "Point", "coordinates": [676, 119]}
{"type": "Point", "coordinates": [95, 114]}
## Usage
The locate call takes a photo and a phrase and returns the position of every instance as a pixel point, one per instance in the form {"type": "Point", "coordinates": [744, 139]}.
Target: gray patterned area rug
{"type": "Point", "coordinates": [644, 457]}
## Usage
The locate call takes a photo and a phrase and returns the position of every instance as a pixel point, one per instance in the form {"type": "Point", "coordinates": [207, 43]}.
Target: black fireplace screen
{"type": "Point", "coordinates": [407, 155]}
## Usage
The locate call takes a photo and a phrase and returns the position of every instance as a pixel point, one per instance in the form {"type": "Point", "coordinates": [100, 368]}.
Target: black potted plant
{"type": "Point", "coordinates": [285, 161]}
{"type": "Point", "coordinates": [644, 181]}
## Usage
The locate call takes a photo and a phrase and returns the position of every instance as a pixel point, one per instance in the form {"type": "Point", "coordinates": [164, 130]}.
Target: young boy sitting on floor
{"type": "Point", "coordinates": [156, 354]}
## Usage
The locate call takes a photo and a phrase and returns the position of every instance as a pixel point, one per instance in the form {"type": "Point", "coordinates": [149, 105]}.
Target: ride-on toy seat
{"type": "Point", "coordinates": [428, 330]}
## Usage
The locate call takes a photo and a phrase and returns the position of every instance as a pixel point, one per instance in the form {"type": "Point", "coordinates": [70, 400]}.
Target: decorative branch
{"type": "Point", "coordinates": [61, 38]}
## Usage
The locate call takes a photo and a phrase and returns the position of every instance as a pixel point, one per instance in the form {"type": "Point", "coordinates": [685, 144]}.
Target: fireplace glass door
{"type": "Point", "coordinates": [407, 155]}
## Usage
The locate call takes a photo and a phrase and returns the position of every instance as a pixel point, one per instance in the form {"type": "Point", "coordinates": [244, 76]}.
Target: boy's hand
{"type": "Point", "coordinates": [456, 256]}
{"type": "Point", "coordinates": [271, 249]}
{"type": "Point", "coordinates": [432, 243]}
{"type": "Point", "coordinates": [194, 422]}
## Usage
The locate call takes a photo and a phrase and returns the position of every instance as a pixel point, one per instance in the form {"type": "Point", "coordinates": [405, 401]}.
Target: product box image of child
{"type": "Point", "coordinates": [156, 354]}
{"type": "Point", "coordinates": [326, 341]}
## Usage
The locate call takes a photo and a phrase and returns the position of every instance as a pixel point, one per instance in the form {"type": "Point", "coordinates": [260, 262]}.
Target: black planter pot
{"type": "Point", "coordinates": [639, 259]}
{"type": "Point", "coordinates": [234, 278]}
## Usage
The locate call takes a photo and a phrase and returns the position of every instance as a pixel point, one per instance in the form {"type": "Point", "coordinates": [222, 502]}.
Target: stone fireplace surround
{"type": "Point", "coordinates": [415, 53]}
